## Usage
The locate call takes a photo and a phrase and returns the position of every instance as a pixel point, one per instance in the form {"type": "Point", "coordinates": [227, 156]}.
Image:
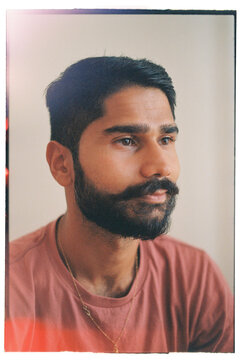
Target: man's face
{"type": "Point", "coordinates": [127, 169]}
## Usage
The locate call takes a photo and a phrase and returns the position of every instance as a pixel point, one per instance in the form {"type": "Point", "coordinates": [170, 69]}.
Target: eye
{"type": "Point", "coordinates": [126, 141]}
{"type": "Point", "coordinates": [166, 140]}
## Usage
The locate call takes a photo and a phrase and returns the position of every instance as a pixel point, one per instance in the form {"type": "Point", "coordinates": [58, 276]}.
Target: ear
{"type": "Point", "coordinates": [60, 163]}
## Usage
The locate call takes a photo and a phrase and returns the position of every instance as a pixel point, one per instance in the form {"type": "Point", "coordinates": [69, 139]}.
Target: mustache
{"type": "Point", "coordinates": [147, 188]}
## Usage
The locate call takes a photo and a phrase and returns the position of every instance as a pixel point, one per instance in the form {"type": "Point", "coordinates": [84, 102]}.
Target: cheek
{"type": "Point", "coordinates": [175, 167]}
{"type": "Point", "coordinates": [108, 173]}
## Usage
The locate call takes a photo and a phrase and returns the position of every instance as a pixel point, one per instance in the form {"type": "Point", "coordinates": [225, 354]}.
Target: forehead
{"type": "Point", "coordinates": [138, 102]}
{"type": "Point", "coordinates": [134, 105]}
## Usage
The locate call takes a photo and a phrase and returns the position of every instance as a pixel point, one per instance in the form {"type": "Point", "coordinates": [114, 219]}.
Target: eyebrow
{"type": "Point", "coordinates": [140, 128]}
{"type": "Point", "coordinates": [169, 129]}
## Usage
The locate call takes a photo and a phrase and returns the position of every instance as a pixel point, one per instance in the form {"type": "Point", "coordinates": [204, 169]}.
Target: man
{"type": "Point", "coordinates": [104, 277]}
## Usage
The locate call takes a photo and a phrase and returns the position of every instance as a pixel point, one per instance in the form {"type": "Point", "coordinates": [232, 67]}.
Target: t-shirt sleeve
{"type": "Point", "coordinates": [211, 320]}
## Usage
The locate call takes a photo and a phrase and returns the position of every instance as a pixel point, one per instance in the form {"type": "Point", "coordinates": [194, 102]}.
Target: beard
{"type": "Point", "coordinates": [123, 213]}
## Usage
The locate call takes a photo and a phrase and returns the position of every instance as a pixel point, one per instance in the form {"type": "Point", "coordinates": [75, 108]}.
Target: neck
{"type": "Point", "coordinates": [103, 263]}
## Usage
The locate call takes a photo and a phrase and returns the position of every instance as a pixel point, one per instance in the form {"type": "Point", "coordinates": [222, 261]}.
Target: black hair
{"type": "Point", "coordinates": [76, 98]}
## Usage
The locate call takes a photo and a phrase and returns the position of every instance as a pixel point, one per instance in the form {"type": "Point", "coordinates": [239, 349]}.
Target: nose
{"type": "Point", "coordinates": [156, 162]}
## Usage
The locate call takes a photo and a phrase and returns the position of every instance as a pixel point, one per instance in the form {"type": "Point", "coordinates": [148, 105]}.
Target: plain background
{"type": "Point", "coordinates": [198, 53]}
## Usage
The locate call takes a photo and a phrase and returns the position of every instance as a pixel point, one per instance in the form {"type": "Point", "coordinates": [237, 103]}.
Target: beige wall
{"type": "Point", "coordinates": [197, 51]}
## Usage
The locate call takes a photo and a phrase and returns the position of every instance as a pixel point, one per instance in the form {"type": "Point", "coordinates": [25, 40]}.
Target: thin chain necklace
{"type": "Point", "coordinates": [87, 310]}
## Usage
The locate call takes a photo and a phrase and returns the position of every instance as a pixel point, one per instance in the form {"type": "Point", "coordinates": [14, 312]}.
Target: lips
{"type": "Point", "coordinates": [158, 197]}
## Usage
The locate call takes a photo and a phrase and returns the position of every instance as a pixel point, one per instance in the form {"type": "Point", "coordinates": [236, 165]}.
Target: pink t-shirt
{"type": "Point", "coordinates": [182, 302]}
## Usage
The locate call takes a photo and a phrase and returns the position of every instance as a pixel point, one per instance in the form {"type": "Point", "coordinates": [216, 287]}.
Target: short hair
{"type": "Point", "coordinates": [76, 98]}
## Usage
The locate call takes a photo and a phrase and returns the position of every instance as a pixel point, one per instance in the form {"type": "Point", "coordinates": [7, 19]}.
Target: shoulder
{"type": "Point", "coordinates": [27, 263]}
{"type": "Point", "coordinates": [27, 251]}
{"type": "Point", "coordinates": [25, 244]}
{"type": "Point", "coordinates": [191, 265]}
{"type": "Point", "coordinates": [174, 250]}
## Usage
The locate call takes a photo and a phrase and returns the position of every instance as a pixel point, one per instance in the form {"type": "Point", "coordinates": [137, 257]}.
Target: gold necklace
{"type": "Point", "coordinates": [87, 310]}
